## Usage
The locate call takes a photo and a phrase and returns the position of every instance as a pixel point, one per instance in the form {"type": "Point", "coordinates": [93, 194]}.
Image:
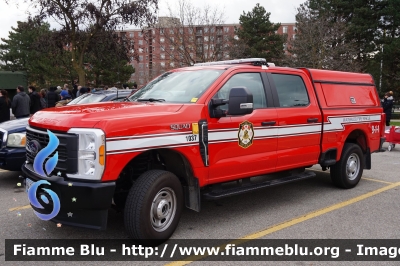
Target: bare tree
{"type": "Point", "coordinates": [192, 34]}
{"type": "Point", "coordinates": [321, 42]}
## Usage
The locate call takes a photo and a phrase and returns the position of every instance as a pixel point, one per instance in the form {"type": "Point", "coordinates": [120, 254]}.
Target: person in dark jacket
{"type": "Point", "coordinates": [52, 97]}
{"type": "Point", "coordinates": [5, 105]}
{"type": "Point", "coordinates": [21, 104]}
{"type": "Point", "coordinates": [387, 106]}
{"type": "Point", "coordinates": [35, 100]}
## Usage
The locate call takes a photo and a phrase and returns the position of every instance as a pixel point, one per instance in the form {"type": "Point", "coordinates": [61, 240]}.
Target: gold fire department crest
{"type": "Point", "coordinates": [245, 134]}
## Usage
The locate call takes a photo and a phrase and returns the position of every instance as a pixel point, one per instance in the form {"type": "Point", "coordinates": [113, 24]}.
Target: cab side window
{"type": "Point", "coordinates": [252, 81]}
{"type": "Point", "coordinates": [291, 90]}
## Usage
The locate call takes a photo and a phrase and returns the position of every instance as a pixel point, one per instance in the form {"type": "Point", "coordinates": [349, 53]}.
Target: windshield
{"type": "Point", "coordinates": [179, 87]}
{"type": "Point", "coordinates": [88, 98]}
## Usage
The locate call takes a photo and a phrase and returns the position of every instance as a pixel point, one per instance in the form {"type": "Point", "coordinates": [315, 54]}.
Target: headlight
{"type": "Point", "coordinates": [16, 140]}
{"type": "Point", "coordinates": [91, 153]}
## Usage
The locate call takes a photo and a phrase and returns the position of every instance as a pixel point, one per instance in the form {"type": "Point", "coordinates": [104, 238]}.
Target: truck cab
{"type": "Point", "coordinates": [192, 132]}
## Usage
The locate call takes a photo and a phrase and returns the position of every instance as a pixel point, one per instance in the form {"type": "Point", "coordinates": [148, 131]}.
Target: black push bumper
{"type": "Point", "coordinates": [82, 204]}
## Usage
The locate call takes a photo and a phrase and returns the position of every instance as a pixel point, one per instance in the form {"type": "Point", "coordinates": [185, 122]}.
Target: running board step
{"type": "Point", "coordinates": [247, 186]}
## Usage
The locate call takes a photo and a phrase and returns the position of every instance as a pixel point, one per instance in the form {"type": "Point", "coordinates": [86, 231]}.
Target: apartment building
{"type": "Point", "coordinates": [170, 45]}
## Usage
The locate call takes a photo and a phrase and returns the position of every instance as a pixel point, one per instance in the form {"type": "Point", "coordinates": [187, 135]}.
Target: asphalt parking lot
{"type": "Point", "coordinates": [308, 209]}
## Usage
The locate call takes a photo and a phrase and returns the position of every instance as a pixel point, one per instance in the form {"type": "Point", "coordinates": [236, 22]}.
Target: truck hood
{"type": "Point", "coordinates": [88, 115]}
{"type": "Point", "coordinates": [17, 125]}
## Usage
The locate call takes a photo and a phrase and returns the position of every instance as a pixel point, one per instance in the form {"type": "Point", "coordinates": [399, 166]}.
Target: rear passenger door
{"type": "Point", "coordinates": [242, 145]}
{"type": "Point", "coordinates": [299, 119]}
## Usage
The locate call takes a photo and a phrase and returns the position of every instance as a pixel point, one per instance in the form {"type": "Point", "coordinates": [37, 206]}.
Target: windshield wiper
{"type": "Point", "coordinates": [151, 100]}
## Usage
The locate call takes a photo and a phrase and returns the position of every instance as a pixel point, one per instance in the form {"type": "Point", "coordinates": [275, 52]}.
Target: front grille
{"type": "Point", "coordinates": [67, 149]}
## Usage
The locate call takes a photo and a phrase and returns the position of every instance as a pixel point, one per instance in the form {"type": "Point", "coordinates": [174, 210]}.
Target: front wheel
{"type": "Point", "coordinates": [347, 172]}
{"type": "Point", "coordinates": [153, 207]}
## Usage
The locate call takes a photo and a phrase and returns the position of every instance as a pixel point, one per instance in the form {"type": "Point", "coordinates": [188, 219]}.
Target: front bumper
{"type": "Point", "coordinates": [82, 204]}
{"type": "Point", "coordinates": [12, 159]}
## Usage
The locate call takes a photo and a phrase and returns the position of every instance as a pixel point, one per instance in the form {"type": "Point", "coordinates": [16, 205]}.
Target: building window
{"type": "Point", "coordinates": [153, 31]}
{"type": "Point", "coordinates": [131, 34]}
{"type": "Point", "coordinates": [162, 64]}
{"type": "Point", "coordinates": [294, 36]}
{"type": "Point", "coordinates": [131, 58]}
{"type": "Point", "coordinates": [205, 30]}
{"type": "Point", "coordinates": [162, 39]}
{"type": "Point", "coordinates": [140, 50]}
{"type": "Point", "coordinates": [140, 58]}
{"type": "Point", "coordinates": [172, 39]}
{"type": "Point", "coordinates": [140, 34]}
{"type": "Point", "coordinates": [206, 38]}
{"type": "Point", "coordinates": [295, 29]}
{"type": "Point", "coordinates": [162, 48]}
{"type": "Point", "coordinates": [141, 65]}
{"type": "Point", "coordinates": [284, 29]}
{"type": "Point", "coordinates": [171, 31]}
{"type": "Point", "coordinates": [162, 56]}
{"type": "Point", "coordinates": [147, 57]}
{"type": "Point", "coordinates": [140, 42]}
{"type": "Point", "coordinates": [181, 31]}
{"type": "Point", "coordinates": [147, 65]}
{"type": "Point", "coordinates": [161, 31]}
{"type": "Point", "coordinates": [226, 29]}
{"type": "Point", "coordinates": [190, 31]}
{"type": "Point", "coordinates": [172, 64]}
{"type": "Point", "coordinates": [171, 47]}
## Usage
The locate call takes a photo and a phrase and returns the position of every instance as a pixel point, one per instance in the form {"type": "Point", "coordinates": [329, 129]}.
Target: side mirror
{"type": "Point", "coordinates": [240, 101]}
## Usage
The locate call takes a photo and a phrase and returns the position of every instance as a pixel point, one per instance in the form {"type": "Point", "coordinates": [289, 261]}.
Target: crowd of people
{"type": "Point", "coordinates": [25, 105]}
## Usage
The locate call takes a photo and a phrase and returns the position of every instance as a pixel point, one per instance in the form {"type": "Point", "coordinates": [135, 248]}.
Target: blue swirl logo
{"type": "Point", "coordinates": [49, 167]}
{"type": "Point", "coordinates": [34, 201]}
{"type": "Point", "coordinates": [44, 153]}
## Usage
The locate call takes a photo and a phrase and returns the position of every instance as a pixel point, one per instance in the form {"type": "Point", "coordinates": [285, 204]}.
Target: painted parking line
{"type": "Point", "coordinates": [289, 223]}
{"type": "Point", "coordinates": [365, 178]}
{"type": "Point", "coordinates": [20, 208]}
{"type": "Point", "coordinates": [377, 180]}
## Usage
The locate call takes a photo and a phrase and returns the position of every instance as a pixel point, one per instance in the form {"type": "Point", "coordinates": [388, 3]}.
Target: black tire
{"type": "Point", "coordinates": [347, 172]}
{"type": "Point", "coordinates": [153, 207]}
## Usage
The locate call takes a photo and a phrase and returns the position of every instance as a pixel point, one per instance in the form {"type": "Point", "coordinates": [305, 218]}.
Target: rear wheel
{"type": "Point", "coordinates": [390, 147]}
{"type": "Point", "coordinates": [347, 172]}
{"type": "Point", "coordinates": [153, 207]}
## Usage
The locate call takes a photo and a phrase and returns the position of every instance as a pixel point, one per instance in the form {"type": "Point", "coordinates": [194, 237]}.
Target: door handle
{"type": "Point", "coordinates": [312, 120]}
{"type": "Point", "coordinates": [268, 123]}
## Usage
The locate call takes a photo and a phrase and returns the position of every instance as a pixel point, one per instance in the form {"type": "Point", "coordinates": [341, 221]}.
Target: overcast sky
{"type": "Point", "coordinates": [281, 10]}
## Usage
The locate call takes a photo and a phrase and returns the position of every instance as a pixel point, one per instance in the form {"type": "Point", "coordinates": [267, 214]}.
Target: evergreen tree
{"type": "Point", "coordinates": [32, 47]}
{"type": "Point", "coordinates": [258, 34]}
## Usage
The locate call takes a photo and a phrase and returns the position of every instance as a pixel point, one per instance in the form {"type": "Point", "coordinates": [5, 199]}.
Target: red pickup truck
{"type": "Point", "coordinates": [202, 132]}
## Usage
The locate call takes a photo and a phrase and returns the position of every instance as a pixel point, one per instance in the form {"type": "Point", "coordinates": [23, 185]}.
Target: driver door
{"type": "Point", "coordinates": [244, 145]}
